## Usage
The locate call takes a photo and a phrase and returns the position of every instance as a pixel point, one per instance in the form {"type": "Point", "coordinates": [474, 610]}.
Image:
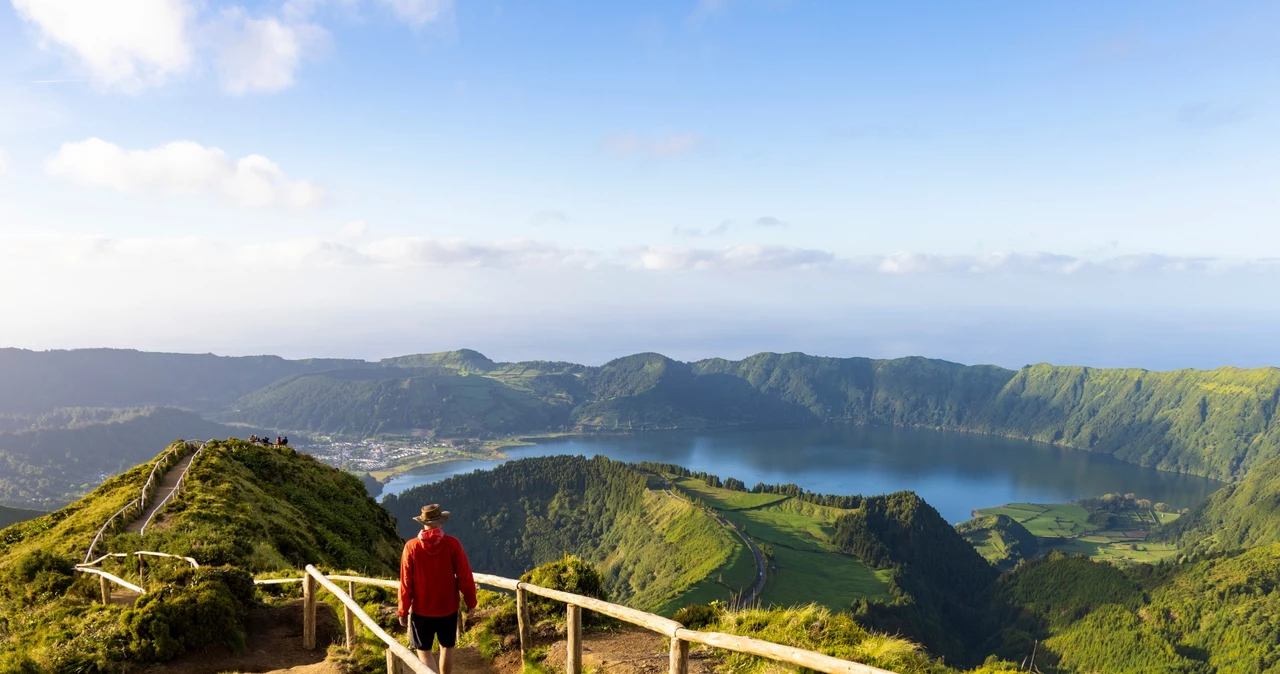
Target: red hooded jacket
{"type": "Point", "coordinates": [433, 570]}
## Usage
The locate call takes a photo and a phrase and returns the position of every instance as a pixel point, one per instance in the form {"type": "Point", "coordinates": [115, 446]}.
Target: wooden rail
{"type": "Point", "coordinates": [678, 634]}
{"type": "Point", "coordinates": [176, 488]}
{"type": "Point", "coordinates": [141, 501]}
{"type": "Point", "coordinates": [105, 578]}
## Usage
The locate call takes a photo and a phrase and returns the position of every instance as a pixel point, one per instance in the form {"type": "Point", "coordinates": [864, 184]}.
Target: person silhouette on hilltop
{"type": "Point", "coordinates": [433, 570]}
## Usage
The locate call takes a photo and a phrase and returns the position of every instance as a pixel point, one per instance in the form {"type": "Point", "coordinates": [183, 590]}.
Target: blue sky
{"type": "Point", "coordinates": [1004, 181]}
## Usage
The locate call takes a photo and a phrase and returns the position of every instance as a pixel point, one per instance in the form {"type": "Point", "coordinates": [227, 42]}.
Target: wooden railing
{"type": "Point", "coordinates": [176, 488]}
{"type": "Point", "coordinates": [105, 579]}
{"type": "Point", "coordinates": [139, 503]}
{"type": "Point", "coordinates": [401, 659]}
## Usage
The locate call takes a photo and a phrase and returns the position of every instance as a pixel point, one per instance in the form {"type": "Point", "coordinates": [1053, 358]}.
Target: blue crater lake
{"type": "Point", "coordinates": [954, 472]}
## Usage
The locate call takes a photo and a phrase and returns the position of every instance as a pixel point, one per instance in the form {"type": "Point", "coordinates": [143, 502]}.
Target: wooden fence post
{"type": "Point", "coordinates": [394, 666]}
{"type": "Point", "coordinates": [105, 586]}
{"type": "Point", "coordinates": [308, 612]}
{"type": "Point", "coordinates": [523, 621]}
{"type": "Point", "coordinates": [679, 656]}
{"type": "Point", "coordinates": [349, 618]}
{"type": "Point", "coordinates": [573, 658]}
{"type": "Point", "coordinates": [142, 569]}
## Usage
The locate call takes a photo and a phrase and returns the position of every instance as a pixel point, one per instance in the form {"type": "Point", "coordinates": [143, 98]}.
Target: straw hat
{"type": "Point", "coordinates": [432, 515]}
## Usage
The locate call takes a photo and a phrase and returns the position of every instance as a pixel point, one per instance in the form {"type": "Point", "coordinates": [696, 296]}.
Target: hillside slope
{"type": "Point", "coordinates": [253, 507]}
{"type": "Point", "coordinates": [650, 547]}
{"type": "Point", "coordinates": [1241, 515]}
{"type": "Point", "coordinates": [1218, 615]}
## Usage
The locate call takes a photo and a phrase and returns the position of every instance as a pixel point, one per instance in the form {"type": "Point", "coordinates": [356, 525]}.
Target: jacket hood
{"type": "Point", "coordinates": [433, 540]}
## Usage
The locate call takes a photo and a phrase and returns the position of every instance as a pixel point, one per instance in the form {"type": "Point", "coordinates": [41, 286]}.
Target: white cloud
{"type": "Point", "coordinates": [183, 167]}
{"type": "Point", "coordinates": [769, 221]}
{"type": "Point", "coordinates": [261, 55]}
{"type": "Point", "coordinates": [122, 44]}
{"type": "Point", "coordinates": [673, 145]}
{"type": "Point", "coordinates": [129, 45]}
{"type": "Point", "coordinates": [43, 248]}
{"type": "Point", "coordinates": [418, 13]}
{"type": "Point", "coordinates": [355, 229]}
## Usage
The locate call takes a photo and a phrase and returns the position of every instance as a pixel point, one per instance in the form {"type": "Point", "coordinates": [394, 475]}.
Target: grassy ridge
{"type": "Point", "coordinates": [1000, 539]}
{"type": "Point", "coordinates": [805, 566]}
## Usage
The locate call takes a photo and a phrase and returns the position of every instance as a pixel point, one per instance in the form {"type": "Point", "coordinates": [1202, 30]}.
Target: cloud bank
{"type": "Point", "coordinates": [522, 254]}
{"type": "Point", "coordinates": [183, 167]}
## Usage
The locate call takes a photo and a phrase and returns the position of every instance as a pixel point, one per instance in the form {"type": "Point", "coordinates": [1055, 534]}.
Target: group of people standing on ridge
{"type": "Point", "coordinates": [282, 441]}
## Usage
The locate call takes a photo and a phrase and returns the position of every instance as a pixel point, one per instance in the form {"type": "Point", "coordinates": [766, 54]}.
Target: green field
{"type": "Point", "coordinates": [804, 567]}
{"type": "Point", "coordinates": [1065, 527]}
{"type": "Point", "coordinates": [1053, 520]}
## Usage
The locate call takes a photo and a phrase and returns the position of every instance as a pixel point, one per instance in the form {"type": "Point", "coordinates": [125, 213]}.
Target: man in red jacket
{"type": "Point", "coordinates": [433, 570]}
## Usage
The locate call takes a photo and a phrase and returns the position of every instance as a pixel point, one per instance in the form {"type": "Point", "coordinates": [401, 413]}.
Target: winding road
{"type": "Point", "coordinates": [757, 589]}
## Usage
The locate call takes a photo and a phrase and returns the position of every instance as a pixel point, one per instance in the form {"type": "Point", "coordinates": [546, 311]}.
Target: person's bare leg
{"type": "Point", "coordinates": [428, 660]}
{"type": "Point", "coordinates": [446, 661]}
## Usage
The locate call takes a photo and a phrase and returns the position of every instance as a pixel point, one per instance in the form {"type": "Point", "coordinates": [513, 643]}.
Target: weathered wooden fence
{"type": "Point", "coordinates": [401, 660]}
{"type": "Point", "coordinates": [135, 507]}
{"type": "Point", "coordinates": [105, 579]}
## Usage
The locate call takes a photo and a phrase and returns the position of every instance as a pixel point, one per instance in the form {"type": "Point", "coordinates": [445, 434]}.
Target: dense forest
{"type": "Point", "coordinates": [1240, 515]}
{"type": "Point", "coordinates": [1218, 423]}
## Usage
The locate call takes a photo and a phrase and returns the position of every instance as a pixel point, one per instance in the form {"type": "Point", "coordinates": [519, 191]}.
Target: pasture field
{"type": "Point", "coordinates": [1065, 527]}
{"type": "Point", "coordinates": [725, 499]}
{"type": "Point", "coordinates": [804, 567]}
{"type": "Point", "coordinates": [1051, 520]}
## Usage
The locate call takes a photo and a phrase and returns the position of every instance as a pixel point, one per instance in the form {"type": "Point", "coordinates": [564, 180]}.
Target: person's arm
{"type": "Point", "coordinates": [466, 582]}
{"type": "Point", "coordinates": [406, 584]}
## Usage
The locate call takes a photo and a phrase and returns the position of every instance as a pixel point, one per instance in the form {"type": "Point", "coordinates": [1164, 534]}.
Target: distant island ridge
{"type": "Point", "coordinates": [1215, 423]}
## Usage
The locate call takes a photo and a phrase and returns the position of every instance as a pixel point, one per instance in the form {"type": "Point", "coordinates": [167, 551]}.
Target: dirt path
{"type": "Point", "coordinates": [161, 495]}
{"type": "Point", "coordinates": [273, 643]}
{"type": "Point", "coordinates": [627, 652]}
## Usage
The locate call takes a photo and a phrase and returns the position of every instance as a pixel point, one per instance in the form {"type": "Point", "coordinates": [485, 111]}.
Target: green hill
{"type": "Point", "coordinates": [252, 507]}
{"type": "Point", "coordinates": [1218, 423]}
{"type": "Point", "coordinates": [650, 548]}
{"type": "Point", "coordinates": [1240, 515]}
{"type": "Point", "coordinates": [49, 467]}
{"type": "Point", "coordinates": [393, 400]}
{"type": "Point", "coordinates": [1000, 539]}
{"type": "Point", "coordinates": [1218, 615]}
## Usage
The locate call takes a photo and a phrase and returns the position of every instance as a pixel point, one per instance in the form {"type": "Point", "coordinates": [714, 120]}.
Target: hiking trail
{"type": "Point", "coordinates": [162, 494]}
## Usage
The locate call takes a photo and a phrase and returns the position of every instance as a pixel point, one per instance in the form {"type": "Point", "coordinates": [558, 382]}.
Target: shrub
{"type": "Point", "coordinates": [698, 616]}
{"type": "Point", "coordinates": [39, 574]}
{"type": "Point", "coordinates": [203, 607]}
{"type": "Point", "coordinates": [569, 574]}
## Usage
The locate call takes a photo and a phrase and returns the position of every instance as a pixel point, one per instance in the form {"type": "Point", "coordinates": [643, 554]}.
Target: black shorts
{"type": "Point", "coordinates": [423, 631]}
